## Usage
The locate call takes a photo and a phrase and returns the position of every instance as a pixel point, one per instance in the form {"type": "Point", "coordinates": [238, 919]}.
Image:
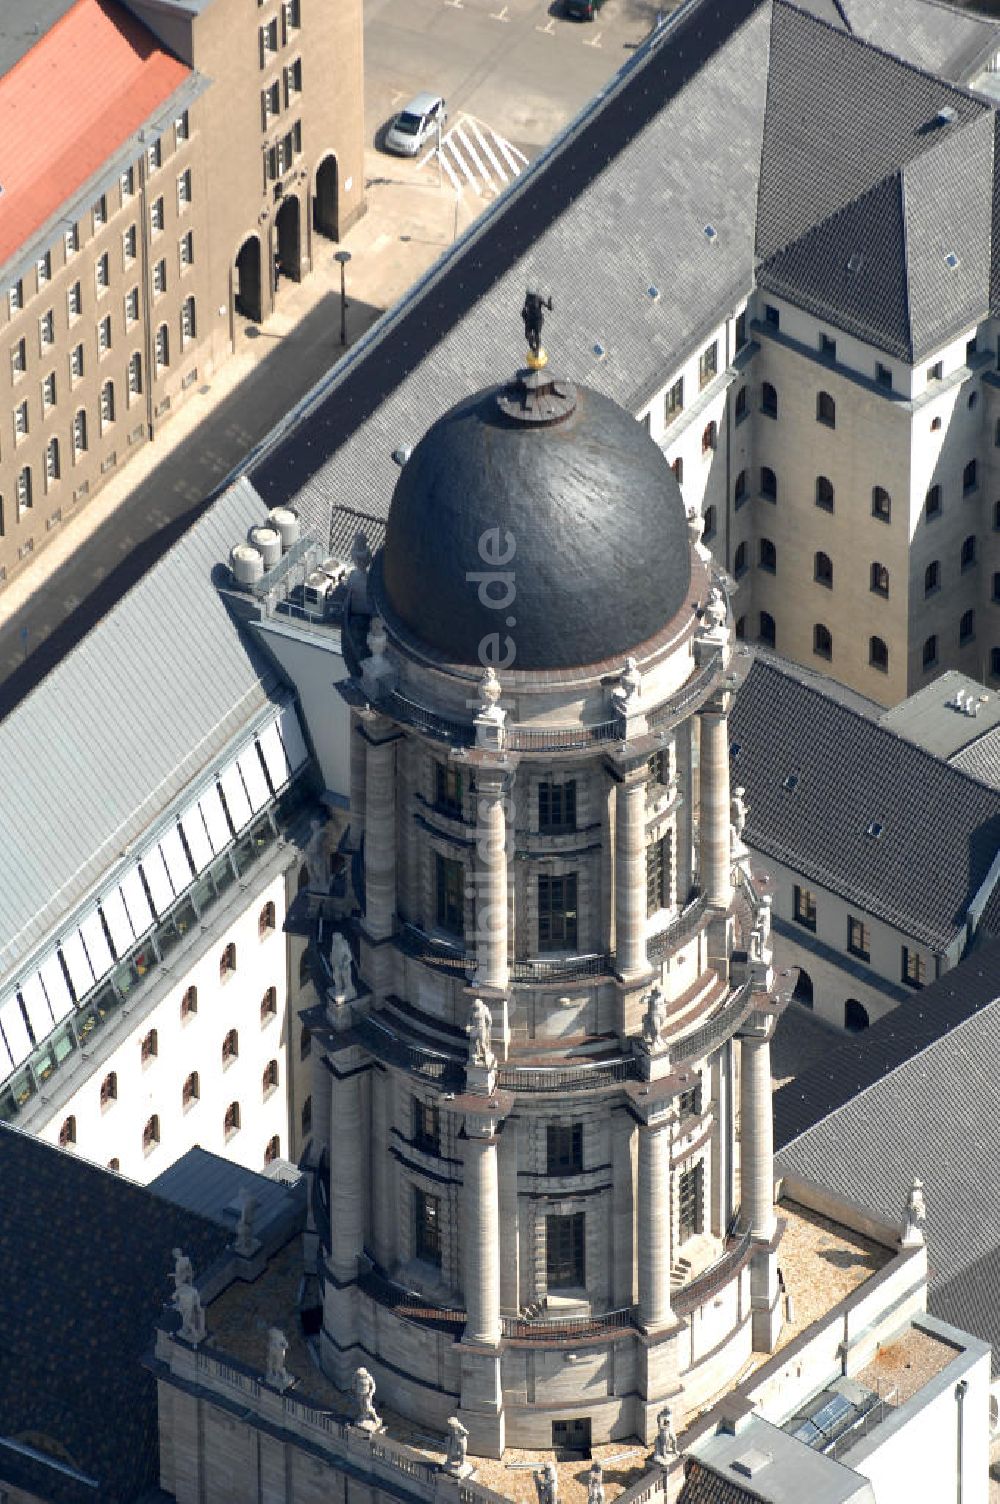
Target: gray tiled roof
{"type": "Point", "coordinates": [141, 706]}
{"type": "Point", "coordinates": [23, 23]}
{"type": "Point", "coordinates": [940, 829]}
{"type": "Point", "coordinates": [907, 1099]}
{"type": "Point", "coordinates": [930, 34]}
{"type": "Point", "coordinates": [981, 758]}
{"type": "Point", "coordinates": [85, 1260]}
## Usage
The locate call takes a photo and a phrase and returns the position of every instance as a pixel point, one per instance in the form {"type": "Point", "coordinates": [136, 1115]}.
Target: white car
{"type": "Point", "coordinates": [415, 125]}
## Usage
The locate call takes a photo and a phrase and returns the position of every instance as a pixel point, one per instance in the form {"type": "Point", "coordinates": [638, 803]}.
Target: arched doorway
{"type": "Point", "coordinates": [247, 282]}
{"type": "Point", "coordinates": [326, 204]}
{"type": "Point", "coordinates": [855, 1016]}
{"type": "Point", "coordinates": [803, 989]}
{"type": "Point", "coordinates": [288, 239]}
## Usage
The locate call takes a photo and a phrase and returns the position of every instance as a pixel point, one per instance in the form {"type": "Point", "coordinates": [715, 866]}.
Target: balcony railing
{"type": "Point", "coordinates": [568, 1328]}
{"type": "Point", "coordinates": [408, 1303]}
{"type": "Point", "coordinates": [678, 931]}
{"type": "Point", "coordinates": [444, 1070]}
{"type": "Point", "coordinates": [582, 1076]}
{"type": "Point", "coordinates": [451, 956]}
{"type": "Point", "coordinates": [718, 1029]}
{"type": "Point", "coordinates": [708, 1284]}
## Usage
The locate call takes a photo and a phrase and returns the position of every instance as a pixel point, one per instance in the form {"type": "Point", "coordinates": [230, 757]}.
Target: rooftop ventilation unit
{"type": "Point", "coordinates": [946, 114]}
{"type": "Point", "coordinates": [874, 830]}
{"type": "Point", "coordinates": [711, 233]}
{"type": "Point", "coordinates": [951, 260]}
{"type": "Point", "coordinates": [285, 522]}
{"type": "Point", "coordinates": [400, 456]}
{"type": "Point", "coordinates": [246, 563]}
{"type": "Point", "coordinates": [653, 292]}
{"type": "Point", "coordinates": [599, 351]}
{"type": "Point", "coordinates": [734, 749]}
{"type": "Point", "coordinates": [268, 541]}
{"type": "Point", "coordinates": [854, 263]}
{"type": "Point", "coordinates": [751, 1462]}
{"type": "Point", "coordinates": [790, 782]}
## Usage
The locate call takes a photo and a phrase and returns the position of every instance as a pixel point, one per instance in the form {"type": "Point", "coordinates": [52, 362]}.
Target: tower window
{"type": "Point", "coordinates": [557, 915]}
{"type": "Point", "coordinates": [426, 1126]}
{"type": "Point", "coordinates": [450, 884]}
{"type": "Point", "coordinates": [881, 504]}
{"type": "Point", "coordinates": [690, 1197]}
{"type": "Point", "coordinates": [768, 483]}
{"type": "Point", "coordinates": [823, 570]}
{"type": "Point", "coordinates": [448, 790]}
{"type": "Point", "coordinates": [658, 875]}
{"type": "Point", "coordinates": [769, 400]}
{"type": "Point", "coordinates": [805, 907]}
{"type": "Point", "coordinates": [557, 807]}
{"type": "Point", "coordinates": [109, 1090]}
{"type": "Point", "coordinates": [824, 493]}
{"type": "Point", "coordinates": [822, 641]}
{"type": "Point", "coordinates": [564, 1148]}
{"type": "Point", "coordinates": [826, 410]}
{"type": "Point", "coordinates": [564, 1252]}
{"type": "Point", "coordinates": [427, 1227]}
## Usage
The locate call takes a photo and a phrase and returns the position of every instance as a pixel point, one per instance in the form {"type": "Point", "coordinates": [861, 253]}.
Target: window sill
{"type": "Point", "coordinates": [860, 955]}
{"type": "Point", "coordinates": [187, 1106]}
{"type": "Point", "coordinates": [231, 1061]}
{"type": "Point", "coordinates": [805, 924]}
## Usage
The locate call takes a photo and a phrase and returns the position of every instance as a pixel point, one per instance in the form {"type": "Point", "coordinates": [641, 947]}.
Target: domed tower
{"type": "Point", "coordinates": [535, 1220]}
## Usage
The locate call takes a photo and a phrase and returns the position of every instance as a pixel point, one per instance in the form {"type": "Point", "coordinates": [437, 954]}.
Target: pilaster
{"type": "Point", "coordinates": [631, 960]}
{"type": "Point", "coordinates": [481, 1409]}
{"type": "Point", "coordinates": [492, 793]}
{"type": "Point", "coordinates": [757, 1174]}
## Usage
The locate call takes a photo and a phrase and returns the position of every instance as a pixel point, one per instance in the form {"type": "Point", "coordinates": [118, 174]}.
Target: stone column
{"type": "Point", "coordinates": [757, 1137]}
{"type": "Point", "coordinates": [491, 895]}
{"type": "Point", "coordinates": [380, 838]}
{"type": "Point", "coordinates": [630, 874]}
{"type": "Point", "coordinates": [359, 758]}
{"type": "Point", "coordinates": [654, 1253]}
{"type": "Point", "coordinates": [716, 860]}
{"type": "Point", "coordinates": [347, 1177]}
{"type": "Point", "coordinates": [481, 1234]}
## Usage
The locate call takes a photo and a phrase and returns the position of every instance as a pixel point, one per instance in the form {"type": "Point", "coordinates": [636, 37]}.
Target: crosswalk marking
{"type": "Point", "coordinates": [476, 157]}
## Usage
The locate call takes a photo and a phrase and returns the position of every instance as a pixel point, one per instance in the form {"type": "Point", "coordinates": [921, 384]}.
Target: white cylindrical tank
{"type": "Point", "coordinates": [285, 521]}
{"type": "Point", "coordinates": [246, 563]}
{"type": "Point", "coordinates": [268, 540]}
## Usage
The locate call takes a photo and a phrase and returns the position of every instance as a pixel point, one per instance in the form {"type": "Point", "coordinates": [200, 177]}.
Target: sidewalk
{"type": "Point", "coordinates": [410, 221]}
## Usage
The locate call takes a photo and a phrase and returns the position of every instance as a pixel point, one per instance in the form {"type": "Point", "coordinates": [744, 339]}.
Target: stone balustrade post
{"type": "Point", "coordinates": [654, 1242]}
{"type": "Point", "coordinates": [714, 811]}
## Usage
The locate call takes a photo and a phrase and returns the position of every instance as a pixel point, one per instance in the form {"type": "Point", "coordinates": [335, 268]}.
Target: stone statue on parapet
{"type": "Point", "coordinates": [715, 613]}
{"type": "Point", "coordinates": [183, 1270]}
{"type": "Point", "coordinates": [595, 1484]}
{"type": "Point", "coordinates": [341, 965]}
{"type": "Point", "coordinates": [188, 1302]}
{"type": "Point", "coordinates": [665, 1448]}
{"type": "Point", "coordinates": [364, 1394]}
{"type": "Point", "coordinates": [489, 695]}
{"type": "Point", "coordinates": [456, 1446]}
{"type": "Point", "coordinates": [480, 1032]}
{"type": "Point", "coordinates": [277, 1346]}
{"type": "Point", "coordinates": [547, 1484]}
{"type": "Point", "coordinates": [629, 684]}
{"type": "Point", "coordinates": [914, 1217]}
{"type": "Point", "coordinates": [738, 814]}
{"type": "Point", "coordinates": [246, 1243]}
{"type": "Point", "coordinates": [654, 1020]}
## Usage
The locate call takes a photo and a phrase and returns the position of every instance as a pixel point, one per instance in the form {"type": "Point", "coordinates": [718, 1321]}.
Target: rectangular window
{"type": "Point", "coordinates": [131, 307]}
{"type": "Point", "coordinates": [557, 807]}
{"type": "Point", "coordinates": [557, 920]}
{"type": "Point", "coordinates": [741, 329]}
{"type": "Point", "coordinates": [182, 128]}
{"type": "Point", "coordinates": [130, 245]}
{"type": "Point", "coordinates": [107, 403]}
{"type": "Point", "coordinates": [914, 968]}
{"type": "Point", "coordinates": [450, 884]}
{"type": "Point", "coordinates": [270, 103]}
{"type": "Point", "coordinates": [156, 217]}
{"type": "Point", "coordinates": [80, 432]}
{"type": "Point", "coordinates": [658, 875]}
{"type": "Point", "coordinates": [47, 330]}
{"type": "Point", "coordinates": [293, 81]}
{"type": "Point", "coordinates": [564, 1252]}
{"type": "Point", "coordinates": [101, 212]}
{"type": "Point", "coordinates": [135, 375]}
{"type": "Point", "coordinates": [674, 404]}
{"type": "Point", "coordinates": [155, 155]}
{"type": "Point", "coordinates": [104, 336]}
{"type": "Point", "coordinates": [127, 184]}
{"type": "Point", "coordinates": [74, 301]}
{"type": "Point", "coordinates": [188, 326]}
{"type": "Point", "coordinates": [936, 371]}
{"type": "Point", "coordinates": [15, 297]}
{"type": "Point", "coordinates": [159, 278]}
{"type": "Point", "coordinates": [772, 318]}
{"type": "Point", "coordinates": [49, 391]}
{"type": "Point", "coordinates": [883, 376]}
{"type": "Point", "coordinates": [427, 1227]}
{"type": "Point", "coordinates": [24, 498]}
{"type": "Point", "coordinates": [76, 363]}
{"type": "Point", "coordinates": [18, 359]}
{"type": "Point", "coordinates": [184, 189]}
{"type": "Point", "coordinates": [43, 269]}
{"type": "Point", "coordinates": [859, 940]}
{"type": "Point", "coordinates": [72, 239]}
{"type": "Point", "coordinates": [448, 790]}
{"type": "Point", "coordinates": [689, 1102]}
{"type": "Point", "coordinates": [185, 249]}
{"type": "Point", "coordinates": [690, 1197]}
{"type": "Point", "coordinates": [161, 347]}
{"type": "Point", "coordinates": [564, 1148]}
{"type": "Point", "coordinates": [426, 1126]}
{"type": "Point", "coordinates": [268, 42]}
{"type": "Point", "coordinates": [102, 273]}
{"type": "Point", "coordinates": [20, 422]}
{"type": "Point", "coordinates": [290, 16]}
{"type": "Point", "coordinates": [828, 346]}
{"type": "Point", "coordinates": [708, 364]}
{"type": "Point", "coordinates": [805, 907]}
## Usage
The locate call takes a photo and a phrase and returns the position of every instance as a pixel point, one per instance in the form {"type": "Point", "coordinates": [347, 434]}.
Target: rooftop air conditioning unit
{"type": "Point", "coordinates": [246, 563]}
{"type": "Point", "coordinates": [316, 591]}
{"type": "Point", "coordinates": [268, 540]}
{"type": "Point", "coordinates": [285, 521]}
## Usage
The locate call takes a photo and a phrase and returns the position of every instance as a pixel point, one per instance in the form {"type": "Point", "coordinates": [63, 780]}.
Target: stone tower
{"type": "Point", "coordinates": [536, 1220]}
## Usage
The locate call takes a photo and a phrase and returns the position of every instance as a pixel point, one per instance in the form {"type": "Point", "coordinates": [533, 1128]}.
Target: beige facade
{"type": "Point", "coordinates": [132, 293]}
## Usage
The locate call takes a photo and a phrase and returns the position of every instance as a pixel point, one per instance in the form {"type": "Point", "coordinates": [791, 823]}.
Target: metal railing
{"type": "Point", "coordinates": [443, 1069]}
{"type": "Point", "coordinates": [407, 1304]}
{"type": "Point", "coordinates": [697, 688]}
{"type": "Point", "coordinates": [704, 1286]}
{"type": "Point", "coordinates": [546, 1329]}
{"type": "Point", "coordinates": [582, 1076]}
{"type": "Point", "coordinates": [453, 957]}
{"type": "Point", "coordinates": [717, 1030]}
{"type": "Point", "coordinates": [679, 930]}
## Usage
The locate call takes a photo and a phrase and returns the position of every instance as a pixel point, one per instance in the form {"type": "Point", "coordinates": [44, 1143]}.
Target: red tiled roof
{"type": "Point", "coordinates": [68, 105]}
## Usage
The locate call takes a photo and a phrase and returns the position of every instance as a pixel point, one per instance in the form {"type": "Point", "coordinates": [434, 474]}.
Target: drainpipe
{"type": "Point", "coordinates": [961, 1389]}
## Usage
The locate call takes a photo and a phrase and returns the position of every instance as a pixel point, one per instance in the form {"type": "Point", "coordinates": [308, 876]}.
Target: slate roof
{"type": "Point", "coordinates": [22, 22]}
{"type": "Point", "coordinates": [209, 1186]}
{"type": "Point", "coordinates": [86, 1263]}
{"type": "Point", "coordinates": [940, 829]}
{"type": "Point", "coordinates": [916, 1095]}
{"type": "Point", "coordinates": [981, 758]}
{"type": "Point", "coordinates": [930, 34]}
{"type": "Point", "coordinates": [128, 75]}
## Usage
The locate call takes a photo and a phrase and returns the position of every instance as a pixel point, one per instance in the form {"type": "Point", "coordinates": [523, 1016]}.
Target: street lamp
{"type": "Point", "coordinates": [343, 257]}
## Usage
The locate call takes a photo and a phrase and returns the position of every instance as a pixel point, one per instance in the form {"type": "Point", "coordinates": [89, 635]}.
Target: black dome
{"type": "Point", "coordinates": [600, 558]}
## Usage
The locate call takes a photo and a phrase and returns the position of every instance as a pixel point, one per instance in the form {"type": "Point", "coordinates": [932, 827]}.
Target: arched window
{"type": "Point", "coordinates": [151, 1134]}
{"type": "Point", "coordinates": [708, 529]}
{"type": "Point", "coordinates": [109, 1090]}
{"type": "Point", "coordinates": [190, 1091]}
{"type": "Point", "coordinates": [231, 1121]}
{"type": "Point", "coordinates": [304, 972]}
{"type": "Point", "coordinates": [966, 627]}
{"type": "Point", "coordinates": [855, 1016]}
{"type": "Point", "coordinates": [768, 483]}
{"type": "Point", "coordinates": [768, 400]}
{"type": "Point", "coordinates": [767, 633]}
{"type": "Point", "coordinates": [969, 551]}
{"type": "Point", "coordinates": [930, 651]}
{"type": "Point", "coordinates": [307, 1116]}
{"type": "Point", "coordinates": [822, 641]}
{"type": "Point", "coordinates": [823, 570]}
{"type": "Point", "coordinates": [149, 1049]}
{"type": "Point", "coordinates": [878, 654]}
{"type": "Point", "coordinates": [824, 493]}
{"type": "Point", "coordinates": [189, 1003]}
{"type": "Point", "coordinates": [932, 577]}
{"type": "Point", "coordinates": [114, 1164]}
{"type": "Point", "coordinates": [740, 489]}
{"type": "Point", "coordinates": [269, 1080]}
{"type": "Point", "coordinates": [678, 468]}
{"type": "Point", "coordinates": [932, 503]}
{"type": "Point", "coordinates": [740, 405]}
{"type": "Point", "coordinates": [67, 1132]}
{"type": "Point", "coordinates": [709, 437]}
{"type": "Point", "coordinates": [265, 920]}
{"type": "Point", "coordinates": [227, 962]}
{"type": "Point", "coordinates": [768, 556]}
{"type": "Point", "coordinates": [740, 560]}
{"type": "Point", "coordinates": [269, 1005]}
{"type": "Point", "coordinates": [935, 425]}
{"type": "Point", "coordinates": [878, 579]}
{"type": "Point", "coordinates": [803, 992]}
{"type": "Point", "coordinates": [230, 1047]}
{"type": "Point", "coordinates": [273, 1150]}
{"type": "Point", "coordinates": [741, 628]}
{"type": "Point", "coordinates": [881, 504]}
{"type": "Point", "coordinates": [303, 877]}
{"type": "Point", "coordinates": [970, 478]}
{"type": "Point", "coordinates": [826, 409]}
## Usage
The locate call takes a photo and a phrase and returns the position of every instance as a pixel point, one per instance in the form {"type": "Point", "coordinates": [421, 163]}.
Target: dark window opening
{"type": "Point", "coordinates": [564, 1148]}
{"type": "Point", "coordinates": [564, 1252]}
{"type": "Point", "coordinates": [427, 1227]}
{"type": "Point", "coordinates": [557, 917]}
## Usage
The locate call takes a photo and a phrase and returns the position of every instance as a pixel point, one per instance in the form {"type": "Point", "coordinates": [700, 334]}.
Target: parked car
{"type": "Point", "coordinates": [415, 125]}
{"type": "Point", "coordinates": [582, 10]}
